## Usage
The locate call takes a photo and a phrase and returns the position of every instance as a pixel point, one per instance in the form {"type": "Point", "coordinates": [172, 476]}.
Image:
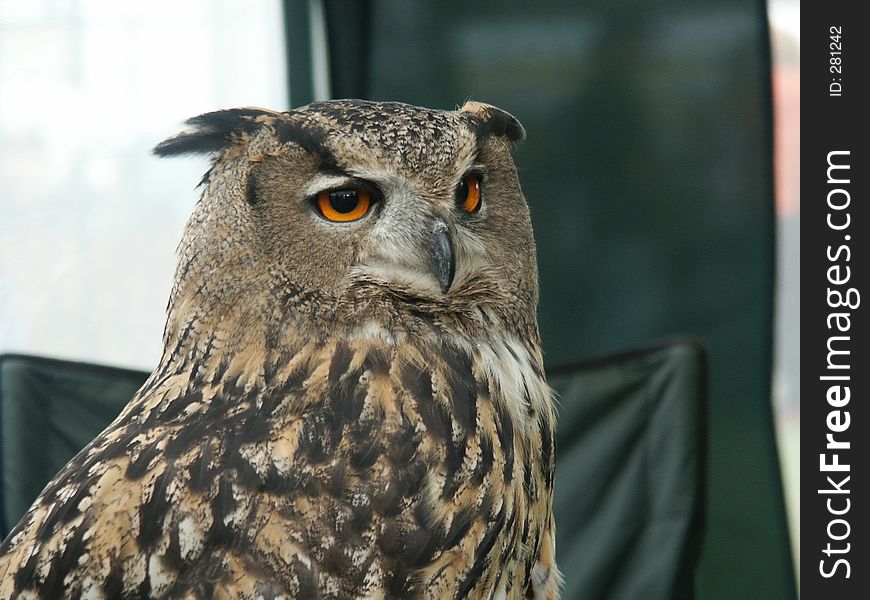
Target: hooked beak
{"type": "Point", "coordinates": [443, 262]}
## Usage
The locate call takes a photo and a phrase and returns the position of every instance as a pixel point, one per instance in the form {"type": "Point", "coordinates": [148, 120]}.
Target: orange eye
{"type": "Point", "coordinates": [344, 205]}
{"type": "Point", "coordinates": [468, 194]}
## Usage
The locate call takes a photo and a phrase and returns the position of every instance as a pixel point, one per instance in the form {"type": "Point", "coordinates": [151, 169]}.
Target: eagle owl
{"type": "Point", "coordinates": [351, 401]}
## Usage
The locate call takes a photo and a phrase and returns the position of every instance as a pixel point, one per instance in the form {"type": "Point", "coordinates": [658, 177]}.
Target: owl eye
{"type": "Point", "coordinates": [344, 205]}
{"type": "Point", "coordinates": [468, 194]}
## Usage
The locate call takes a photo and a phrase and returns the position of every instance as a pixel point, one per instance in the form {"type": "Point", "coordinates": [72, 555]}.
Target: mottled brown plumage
{"type": "Point", "coordinates": [342, 410]}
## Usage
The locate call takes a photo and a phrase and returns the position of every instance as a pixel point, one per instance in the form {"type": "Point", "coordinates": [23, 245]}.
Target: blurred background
{"type": "Point", "coordinates": [661, 167]}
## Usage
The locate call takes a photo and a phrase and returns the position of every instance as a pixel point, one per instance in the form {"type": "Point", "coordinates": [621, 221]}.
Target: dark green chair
{"type": "Point", "coordinates": [49, 410]}
{"type": "Point", "coordinates": [630, 472]}
{"type": "Point", "coordinates": [630, 458]}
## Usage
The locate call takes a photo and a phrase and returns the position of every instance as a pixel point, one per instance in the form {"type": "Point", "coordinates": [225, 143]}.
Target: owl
{"type": "Point", "coordinates": [351, 402]}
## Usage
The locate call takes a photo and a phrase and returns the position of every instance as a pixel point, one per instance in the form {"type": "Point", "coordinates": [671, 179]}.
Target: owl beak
{"type": "Point", "coordinates": [443, 262]}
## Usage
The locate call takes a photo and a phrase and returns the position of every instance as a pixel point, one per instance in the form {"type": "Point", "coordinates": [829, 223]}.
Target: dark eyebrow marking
{"type": "Point", "coordinates": [312, 139]}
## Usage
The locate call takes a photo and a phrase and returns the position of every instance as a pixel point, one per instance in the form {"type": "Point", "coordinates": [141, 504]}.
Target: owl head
{"type": "Point", "coordinates": [343, 212]}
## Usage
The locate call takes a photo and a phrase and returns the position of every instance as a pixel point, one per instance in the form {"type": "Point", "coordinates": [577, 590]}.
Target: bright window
{"type": "Point", "coordinates": [89, 220]}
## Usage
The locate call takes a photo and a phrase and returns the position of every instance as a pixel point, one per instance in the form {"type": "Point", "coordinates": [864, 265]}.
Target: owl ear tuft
{"type": "Point", "coordinates": [491, 120]}
{"type": "Point", "coordinates": [214, 131]}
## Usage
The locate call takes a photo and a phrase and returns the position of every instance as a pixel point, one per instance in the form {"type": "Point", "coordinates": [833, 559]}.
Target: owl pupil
{"type": "Point", "coordinates": [462, 192]}
{"type": "Point", "coordinates": [344, 201]}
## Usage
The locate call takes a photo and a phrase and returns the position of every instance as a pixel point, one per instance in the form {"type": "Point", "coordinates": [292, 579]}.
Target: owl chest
{"type": "Point", "coordinates": [433, 483]}
{"type": "Point", "coordinates": [418, 480]}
